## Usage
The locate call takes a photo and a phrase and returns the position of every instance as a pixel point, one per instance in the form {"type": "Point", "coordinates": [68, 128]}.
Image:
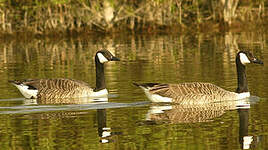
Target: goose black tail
{"type": "Point", "coordinates": [14, 82]}
{"type": "Point", "coordinates": [145, 85]}
{"type": "Point", "coordinates": [136, 84]}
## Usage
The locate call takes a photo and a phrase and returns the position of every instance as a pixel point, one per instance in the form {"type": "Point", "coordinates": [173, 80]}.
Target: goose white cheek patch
{"type": "Point", "coordinates": [244, 59]}
{"type": "Point", "coordinates": [102, 59]}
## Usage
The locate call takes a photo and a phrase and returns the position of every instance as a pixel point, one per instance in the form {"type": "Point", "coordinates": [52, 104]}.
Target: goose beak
{"type": "Point", "coordinates": [257, 61]}
{"type": "Point", "coordinates": [115, 59]}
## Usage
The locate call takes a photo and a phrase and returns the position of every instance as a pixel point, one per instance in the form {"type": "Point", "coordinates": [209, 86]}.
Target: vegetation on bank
{"type": "Point", "coordinates": [44, 17]}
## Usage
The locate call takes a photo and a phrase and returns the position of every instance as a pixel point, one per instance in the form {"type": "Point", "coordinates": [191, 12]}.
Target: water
{"type": "Point", "coordinates": [129, 120]}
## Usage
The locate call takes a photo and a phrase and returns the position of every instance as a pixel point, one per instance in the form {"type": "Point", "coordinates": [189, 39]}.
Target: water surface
{"type": "Point", "coordinates": [127, 121]}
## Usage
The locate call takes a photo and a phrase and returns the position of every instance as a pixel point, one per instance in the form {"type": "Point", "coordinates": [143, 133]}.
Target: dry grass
{"type": "Point", "coordinates": [64, 17]}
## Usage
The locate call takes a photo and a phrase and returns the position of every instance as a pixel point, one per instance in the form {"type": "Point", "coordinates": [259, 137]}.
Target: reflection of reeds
{"type": "Point", "coordinates": [67, 52]}
{"type": "Point", "coordinates": [159, 50]}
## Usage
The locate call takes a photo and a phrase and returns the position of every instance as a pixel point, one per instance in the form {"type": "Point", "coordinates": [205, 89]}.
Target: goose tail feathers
{"type": "Point", "coordinates": [26, 90]}
{"type": "Point", "coordinates": [145, 85]}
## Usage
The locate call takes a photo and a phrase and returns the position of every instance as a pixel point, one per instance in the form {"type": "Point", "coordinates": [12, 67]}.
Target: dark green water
{"type": "Point", "coordinates": [127, 122]}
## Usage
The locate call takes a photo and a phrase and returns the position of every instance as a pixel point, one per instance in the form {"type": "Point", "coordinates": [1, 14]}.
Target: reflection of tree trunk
{"type": "Point", "coordinates": [231, 42]}
{"type": "Point", "coordinates": [4, 54]}
{"type": "Point", "coordinates": [180, 10]}
{"type": "Point", "coordinates": [108, 13]}
{"type": "Point", "coordinates": [231, 47]}
{"type": "Point", "coordinates": [229, 10]}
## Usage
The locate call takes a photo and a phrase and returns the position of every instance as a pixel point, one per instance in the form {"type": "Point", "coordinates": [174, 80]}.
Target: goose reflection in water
{"type": "Point", "coordinates": [178, 113]}
{"type": "Point", "coordinates": [58, 101]}
{"type": "Point", "coordinates": [104, 132]}
{"type": "Point", "coordinates": [175, 113]}
{"type": "Point", "coordinates": [246, 140]}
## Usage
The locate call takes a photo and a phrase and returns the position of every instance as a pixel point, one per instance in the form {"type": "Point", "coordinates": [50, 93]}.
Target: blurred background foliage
{"type": "Point", "coordinates": [43, 17]}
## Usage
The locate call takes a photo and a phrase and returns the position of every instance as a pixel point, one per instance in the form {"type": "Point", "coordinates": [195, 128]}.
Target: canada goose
{"type": "Point", "coordinates": [197, 92]}
{"type": "Point", "coordinates": [67, 88]}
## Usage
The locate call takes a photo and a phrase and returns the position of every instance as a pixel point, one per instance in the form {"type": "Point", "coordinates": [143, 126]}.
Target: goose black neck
{"type": "Point", "coordinates": [100, 80]}
{"type": "Point", "coordinates": [242, 82]}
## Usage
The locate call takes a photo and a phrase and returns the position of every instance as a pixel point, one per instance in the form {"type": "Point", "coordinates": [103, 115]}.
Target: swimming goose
{"type": "Point", "coordinates": [196, 92]}
{"type": "Point", "coordinates": [67, 88]}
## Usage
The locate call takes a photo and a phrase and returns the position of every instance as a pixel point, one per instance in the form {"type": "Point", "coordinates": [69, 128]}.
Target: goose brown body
{"type": "Point", "coordinates": [58, 88]}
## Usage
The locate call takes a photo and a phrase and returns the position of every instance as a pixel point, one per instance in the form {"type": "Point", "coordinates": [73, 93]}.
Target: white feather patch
{"type": "Point", "coordinates": [244, 59]}
{"type": "Point", "coordinates": [160, 109]}
{"type": "Point", "coordinates": [106, 134]}
{"type": "Point", "coordinates": [243, 95]}
{"type": "Point", "coordinates": [157, 110]}
{"type": "Point", "coordinates": [27, 93]}
{"type": "Point", "coordinates": [247, 140]}
{"type": "Point", "coordinates": [100, 93]}
{"type": "Point", "coordinates": [158, 98]}
{"type": "Point", "coordinates": [155, 97]}
{"type": "Point", "coordinates": [104, 141]}
{"type": "Point", "coordinates": [106, 128]}
{"type": "Point", "coordinates": [101, 58]}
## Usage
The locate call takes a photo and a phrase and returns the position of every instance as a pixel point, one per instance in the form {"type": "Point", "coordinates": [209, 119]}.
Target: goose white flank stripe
{"type": "Point", "coordinates": [243, 95]}
{"type": "Point", "coordinates": [100, 93]}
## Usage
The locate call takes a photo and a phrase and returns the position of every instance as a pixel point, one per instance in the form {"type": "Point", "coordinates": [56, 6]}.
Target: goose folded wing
{"type": "Point", "coordinates": [59, 88]}
{"type": "Point", "coordinates": [193, 91]}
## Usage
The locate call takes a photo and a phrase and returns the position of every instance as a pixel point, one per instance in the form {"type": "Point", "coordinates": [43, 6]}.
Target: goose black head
{"type": "Point", "coordinates": [245, 57]}
{"type": "Point", "coordinates": [105, 56]}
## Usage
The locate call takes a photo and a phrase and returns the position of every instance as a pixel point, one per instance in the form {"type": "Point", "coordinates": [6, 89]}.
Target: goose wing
{"type": "Point", "coordinates": [173, 90]}
{"type": "Point", "coordinates": [57, 88]}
